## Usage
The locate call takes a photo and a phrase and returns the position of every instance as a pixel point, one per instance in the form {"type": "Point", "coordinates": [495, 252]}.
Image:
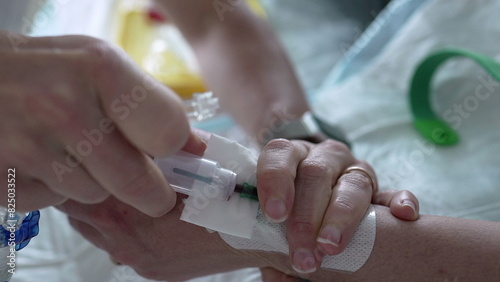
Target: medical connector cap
{"type": "Point", "coordinates": [203, 106]}
{"type": "Point", "coordinates": [25, 228]}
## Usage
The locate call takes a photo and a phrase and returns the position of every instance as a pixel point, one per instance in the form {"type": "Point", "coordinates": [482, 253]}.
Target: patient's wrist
{"type": "Point", "coordinates": [252, 258]}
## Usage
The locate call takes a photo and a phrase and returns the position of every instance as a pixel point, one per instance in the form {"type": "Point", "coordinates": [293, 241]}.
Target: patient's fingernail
{"type": "Point", "coordinates": [303, 261]}
{"type": "Point", "coordinates": [410, 204]}
{"type": "Point", "coordinates": [329, 238]}
{"type": "Point", "coordinates": [276, 210]}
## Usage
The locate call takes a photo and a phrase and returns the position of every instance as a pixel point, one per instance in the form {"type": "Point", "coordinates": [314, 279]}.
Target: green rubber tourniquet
{"type": "Point", "coordinates": [425, 121]}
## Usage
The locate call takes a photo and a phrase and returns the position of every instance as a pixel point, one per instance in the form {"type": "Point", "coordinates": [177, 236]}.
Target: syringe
{"type": "Point", "coordinates": [187, 173]}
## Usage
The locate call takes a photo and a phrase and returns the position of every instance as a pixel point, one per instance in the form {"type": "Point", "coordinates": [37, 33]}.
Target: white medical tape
{"type": "Point", "coordinates": [271, 237]}
{"type": "Point", "coordinates": [236, 216]}
{"type": "Point", "coordinates": [242, 225]}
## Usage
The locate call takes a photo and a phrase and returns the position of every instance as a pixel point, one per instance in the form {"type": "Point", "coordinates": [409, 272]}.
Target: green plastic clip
{"type": "Point", "coordinates": [424, 119]}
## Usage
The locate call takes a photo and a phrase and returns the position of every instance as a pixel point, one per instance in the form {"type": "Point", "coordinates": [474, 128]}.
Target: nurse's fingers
{"type": "Point", "coordinates": [33, 195]}
{"type": "Point", "coordinates": [18, 42]}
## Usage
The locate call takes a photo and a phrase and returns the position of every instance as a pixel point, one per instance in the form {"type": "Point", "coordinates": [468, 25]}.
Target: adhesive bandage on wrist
{"type": "Point", "coordinates": [271, 237]}
{"type": "Point", "coordinates": [242, 225]}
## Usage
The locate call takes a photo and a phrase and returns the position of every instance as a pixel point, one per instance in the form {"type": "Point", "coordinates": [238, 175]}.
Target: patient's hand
{"type": "Point", "coordinates": [305, 183]}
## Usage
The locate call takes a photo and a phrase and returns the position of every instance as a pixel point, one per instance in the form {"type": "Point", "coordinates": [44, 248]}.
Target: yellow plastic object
{"type": "Point", "coordinates": [136, 34]}
{"type": "Point", "coordinates": [257, 8]}
{"type": "Point", "coordinates": [173, 72]}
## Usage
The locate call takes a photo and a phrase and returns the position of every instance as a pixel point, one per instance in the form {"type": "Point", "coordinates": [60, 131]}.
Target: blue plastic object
{"type": "Point", "coordinates": [25, 233]}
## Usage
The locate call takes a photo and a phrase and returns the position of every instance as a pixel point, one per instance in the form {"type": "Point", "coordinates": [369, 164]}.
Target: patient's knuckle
{"type": "Point", "coordinates": [357, 181]}
{"type": "Point", "coordinates": [298, 226]}
{"type": "Point", "coordinates": [405, 193]}
{"type": "Point", "coordinates": [336, 146]}
{"type": "Point", "coordinates": [275, 159]}
{"type": "Point", "coordinates": [367, 166]}
{"type": "Point", "coordinates": [312, 169]}
{"type": "Point", "coordinates": [279, 144]}
{"type": "Point", "coordinates": [271, 173]}
{"type": "Point", "coordinates": [345, 205]}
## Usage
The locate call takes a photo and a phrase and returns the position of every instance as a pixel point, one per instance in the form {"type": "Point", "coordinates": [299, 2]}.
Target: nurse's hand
{"type": "Point", "coordinates": [322, 192]}
{"type": "Point", "coordinates": [78, 120]}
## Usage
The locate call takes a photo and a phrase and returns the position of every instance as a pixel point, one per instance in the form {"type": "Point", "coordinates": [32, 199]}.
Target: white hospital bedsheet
{"type": "Point", "coordinates": [60, 254]}
{"type": "Point", "coordinates": [371, 107]}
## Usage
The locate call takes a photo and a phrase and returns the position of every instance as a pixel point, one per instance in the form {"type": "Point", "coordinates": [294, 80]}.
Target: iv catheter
{"type": "Point", "coordinates": [187, 173]}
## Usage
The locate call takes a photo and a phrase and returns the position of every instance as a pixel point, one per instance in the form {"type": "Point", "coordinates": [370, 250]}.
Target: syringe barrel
{"type": "Point", "coordinates": [189, 174]}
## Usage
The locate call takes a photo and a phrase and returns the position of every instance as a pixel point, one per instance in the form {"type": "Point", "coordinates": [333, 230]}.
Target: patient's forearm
{"type": "Point", "coordinates": [433, 248]}
{"type": "Point", "coordinates": [241, 61]}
